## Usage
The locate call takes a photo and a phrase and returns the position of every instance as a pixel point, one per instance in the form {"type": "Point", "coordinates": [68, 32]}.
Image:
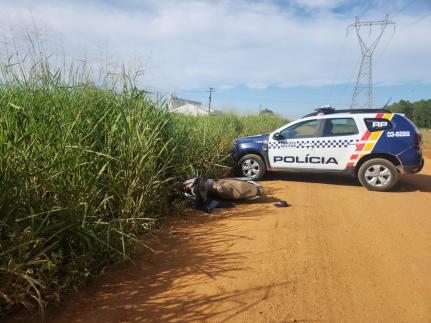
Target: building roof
{"type": "Point", "coordinates": [192, 109]}
{"type": "Point", "coordinates": [175, 102]}
{"type": "Point", "coordinates": [189, 107]}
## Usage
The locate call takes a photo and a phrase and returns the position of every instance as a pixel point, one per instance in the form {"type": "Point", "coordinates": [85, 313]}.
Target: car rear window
{"type": "Point", "coordinates": [339, 127]}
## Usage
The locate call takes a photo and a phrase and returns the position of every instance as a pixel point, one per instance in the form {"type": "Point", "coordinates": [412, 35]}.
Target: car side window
{"type": "Point", "coordinates": [339, 127]}
{"type": "Point", "coordinates": [305, 129]}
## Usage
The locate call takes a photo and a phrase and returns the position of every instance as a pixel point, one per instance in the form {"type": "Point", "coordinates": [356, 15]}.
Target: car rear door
{"type": "Point", "coordinates": [336, 142]}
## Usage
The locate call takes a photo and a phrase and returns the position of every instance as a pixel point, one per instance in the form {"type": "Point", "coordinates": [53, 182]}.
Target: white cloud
{"type": "Point", "coordinates": [226, 87]}
{"type": "Point", "coordinates": [319, 3]}
{"type": "Point", "coordinates": [257, 86]}
{"type": "Point", "coordinates": [194, 44]}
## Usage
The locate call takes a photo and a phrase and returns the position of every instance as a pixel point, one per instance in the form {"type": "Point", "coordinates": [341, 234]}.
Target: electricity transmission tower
{"type": "Point", "coordinates": [363, 93]}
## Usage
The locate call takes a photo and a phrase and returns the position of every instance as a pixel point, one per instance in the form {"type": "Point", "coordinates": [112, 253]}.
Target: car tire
{"type": "Point", "coordinates": [251, 166]}
{"type": "Point", "coordinates": [378, 174]}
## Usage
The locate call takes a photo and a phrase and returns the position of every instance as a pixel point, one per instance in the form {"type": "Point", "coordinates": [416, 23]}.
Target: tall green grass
{"type": "Point", "coordinates": [426, 138]}
{"type": "Point", "coordinates": [85, 170]}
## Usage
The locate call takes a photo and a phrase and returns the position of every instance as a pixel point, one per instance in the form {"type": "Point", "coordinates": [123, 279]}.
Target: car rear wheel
{"type": "Point", "coordinates": [378, 174]}
{"type": "Point", "coordinates": [251, 166]}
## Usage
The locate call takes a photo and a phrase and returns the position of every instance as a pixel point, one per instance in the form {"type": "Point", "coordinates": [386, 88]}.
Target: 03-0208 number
{"type": "Point", "coordinates": [392, 134]}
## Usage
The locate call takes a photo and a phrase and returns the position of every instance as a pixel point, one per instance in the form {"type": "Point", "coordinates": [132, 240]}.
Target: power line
{"type": "Point", "coordinates": [384, 48]}
{"type": "Point", "coordinates": [337, 68]}
{"type": "Point", "coordinates": [392, 36]}
{"type": "Point", "coordinates": [367, 7]}
{"type": "Point", "coordinates": [402, 9]}
{"type": "Point", "coordinates": [418, 20]}
{"type": "Point", "coordinates": [351, 75]}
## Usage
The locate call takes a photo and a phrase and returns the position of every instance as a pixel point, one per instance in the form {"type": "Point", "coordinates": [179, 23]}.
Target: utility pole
{"type": "Point", "coordinates": [363, 92]}
{"type": "Point", "coordinates": [209, 100]}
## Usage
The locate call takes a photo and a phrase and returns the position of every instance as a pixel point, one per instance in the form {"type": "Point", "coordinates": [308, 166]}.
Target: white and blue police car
{"type": "Point", "coordinates": [374, 145]}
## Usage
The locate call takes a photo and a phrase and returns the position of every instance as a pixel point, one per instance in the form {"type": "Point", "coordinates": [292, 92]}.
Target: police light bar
{"type": "Point", "coordinates": [325, 109]}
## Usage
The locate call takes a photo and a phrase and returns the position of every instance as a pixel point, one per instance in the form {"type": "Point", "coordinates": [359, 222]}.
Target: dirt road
{"type": "Point", "coordinates": [338, 254]}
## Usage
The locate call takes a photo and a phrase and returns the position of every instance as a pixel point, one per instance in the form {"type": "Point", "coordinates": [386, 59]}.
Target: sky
{"type": "Point", "coordinates": [287, 55]}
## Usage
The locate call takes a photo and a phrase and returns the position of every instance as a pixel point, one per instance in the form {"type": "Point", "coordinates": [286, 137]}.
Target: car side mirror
{"type": "Point", "coordinates": [277, 136]}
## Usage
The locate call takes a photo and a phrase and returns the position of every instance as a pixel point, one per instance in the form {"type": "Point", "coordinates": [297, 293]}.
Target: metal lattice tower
{"type": "Point", "coordinates": [363, 93]}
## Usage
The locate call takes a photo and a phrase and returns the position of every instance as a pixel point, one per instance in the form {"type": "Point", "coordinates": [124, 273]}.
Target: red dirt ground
{"type": "Point", "coordinates": [340, 253]}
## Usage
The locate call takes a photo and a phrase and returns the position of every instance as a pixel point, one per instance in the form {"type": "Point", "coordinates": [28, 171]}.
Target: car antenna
{"type": "Point", "coordinates": [387, 102]}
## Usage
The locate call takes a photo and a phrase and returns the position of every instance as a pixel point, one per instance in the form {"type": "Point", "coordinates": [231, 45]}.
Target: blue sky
{"type": "Point", "coordinates": [290, 56]}
{"type": "Point", "coordinates": [292, 102]}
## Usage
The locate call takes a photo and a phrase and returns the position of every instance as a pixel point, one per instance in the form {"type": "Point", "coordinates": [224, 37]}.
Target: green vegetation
{"type": "Point", "coordinates": [419, 112]}
{"type": "Point", "coordinates": [266, 112]}
{"type": "Point", "coordinates": [426, 137]}
{"type": "Point", "coordinates": [86, 170]}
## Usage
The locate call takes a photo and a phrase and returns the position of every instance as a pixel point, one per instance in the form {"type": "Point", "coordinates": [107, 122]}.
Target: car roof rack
{"type": "Point", "coordinates": [330, 110]}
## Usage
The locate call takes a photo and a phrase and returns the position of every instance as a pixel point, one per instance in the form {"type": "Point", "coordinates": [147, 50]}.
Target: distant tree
{"type": "Point", "coordinates": [419, 111]}
{"type": "Point", "coordinates": [266, 112]}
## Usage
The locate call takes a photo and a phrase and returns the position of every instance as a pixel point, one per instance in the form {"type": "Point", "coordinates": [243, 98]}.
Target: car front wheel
{"type": "Point", "coordinates": [251, 166]}
{"type": "Point", "coordinates": [378, 174]}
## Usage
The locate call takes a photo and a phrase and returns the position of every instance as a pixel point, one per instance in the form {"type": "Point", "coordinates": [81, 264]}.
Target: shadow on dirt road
{"type": "Point", "coordinates": [143, 291]}
{"type": "Point", "coordinates": [414, 183]}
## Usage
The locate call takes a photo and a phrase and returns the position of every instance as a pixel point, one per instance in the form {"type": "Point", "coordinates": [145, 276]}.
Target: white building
{"type": "Point", "coordinates": [188, 107]}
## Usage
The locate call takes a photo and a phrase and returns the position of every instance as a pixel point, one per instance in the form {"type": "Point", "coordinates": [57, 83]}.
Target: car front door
{"type": "Point", "coordinates": [336, 143]}
{"type": "Point", "coordinates": [292, 146]}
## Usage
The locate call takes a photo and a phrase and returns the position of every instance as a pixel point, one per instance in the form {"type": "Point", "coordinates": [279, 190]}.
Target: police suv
{"type": "Point", "coordinates": [374, 145]}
